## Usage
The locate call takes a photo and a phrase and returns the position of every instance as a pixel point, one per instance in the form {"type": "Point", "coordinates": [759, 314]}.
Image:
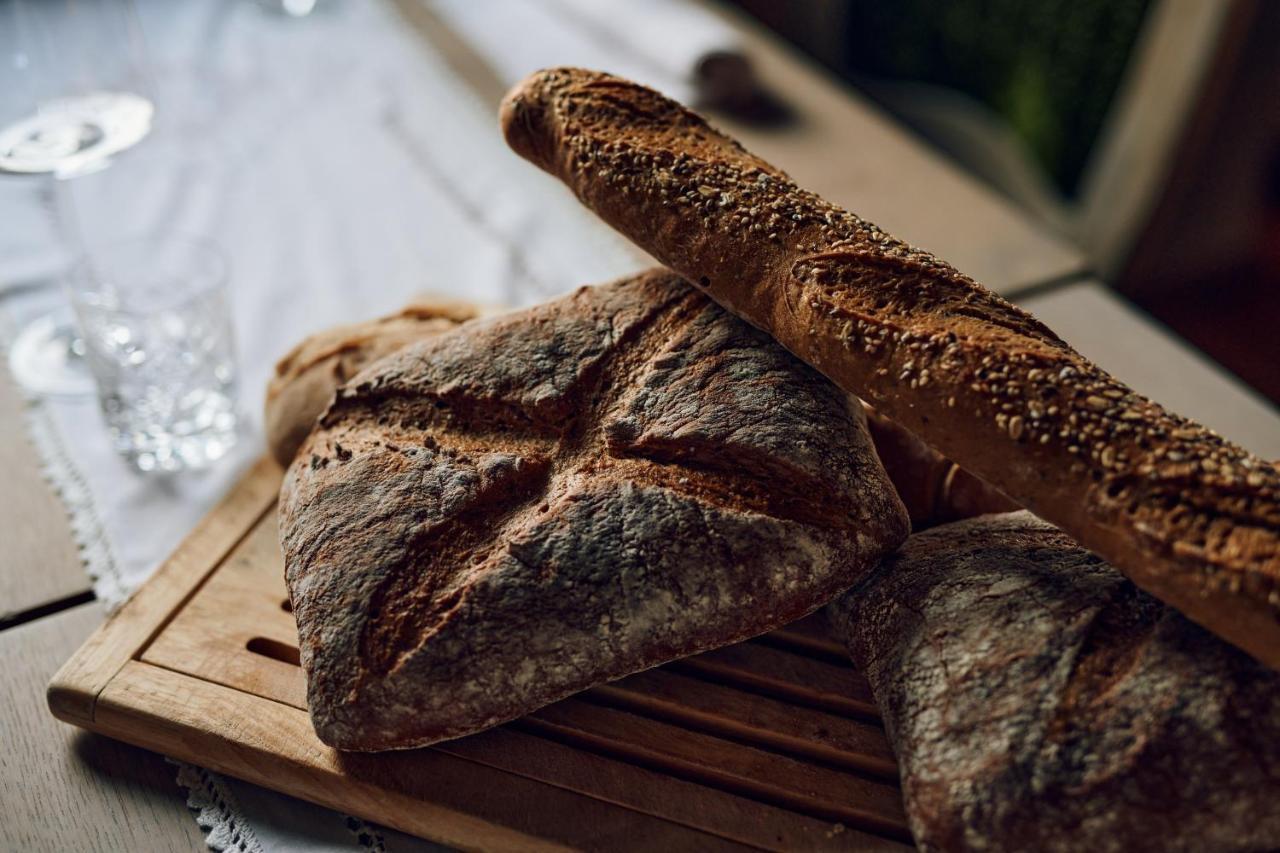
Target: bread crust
{"type": "Point", "coordinates": [1037, 700]}
{"type": "Point", "coordinates": [306, 377]}
{"type": "Point", "coordinates": [1191, 518]}
{"type": "Point", "coordinates": [934, 489]}
{"type": "Point", "coordinates": [501, 515]}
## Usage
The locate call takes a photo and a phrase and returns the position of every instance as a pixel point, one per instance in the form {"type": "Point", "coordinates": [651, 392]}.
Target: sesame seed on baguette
{"type": "Point", "coordinates": [1188, 516]}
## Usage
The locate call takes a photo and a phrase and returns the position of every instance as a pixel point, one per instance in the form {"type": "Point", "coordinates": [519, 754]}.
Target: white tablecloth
{"type": "Point", "coordinates": [343, 167]}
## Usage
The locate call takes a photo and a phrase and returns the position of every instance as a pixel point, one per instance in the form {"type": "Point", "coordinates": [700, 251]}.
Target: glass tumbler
{"type": "Point", "coordinates": [155, 318]}
{"type": "Point", "coordinates": [75, 91]}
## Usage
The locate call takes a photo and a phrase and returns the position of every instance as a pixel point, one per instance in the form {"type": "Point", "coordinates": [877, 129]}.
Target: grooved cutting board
{"type": "Point", "coordinates": [773, 743]}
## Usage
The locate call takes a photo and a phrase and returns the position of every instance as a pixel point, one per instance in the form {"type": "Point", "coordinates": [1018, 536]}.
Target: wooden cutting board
{"type": "Point", "coordinates": [773, 743]}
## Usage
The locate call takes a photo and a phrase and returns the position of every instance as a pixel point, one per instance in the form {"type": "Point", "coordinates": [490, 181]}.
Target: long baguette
{"type": "Point", "coordinates": [1187, 516]}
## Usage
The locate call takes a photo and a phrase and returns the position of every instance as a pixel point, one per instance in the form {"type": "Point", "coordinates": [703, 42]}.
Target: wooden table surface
{"type": "Point", "coordinates": [63, 789]}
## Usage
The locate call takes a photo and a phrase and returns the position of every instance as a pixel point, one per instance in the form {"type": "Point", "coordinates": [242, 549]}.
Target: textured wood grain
{"type": "Point", "coordinates": [812, 635]}
{"type": "Point", "coordinates": [754, 665]}
{"type": "Point", "coordinates": [842, 797]}
{"type": "Point", "coordinates": [74, 689]}
{"type": "Point", "coordinates": [245, 652]}
{"type": "Point", "coordinates": [654, 792]}
{"type": "Point", "coordinates": [64, 789]}
{"type": "Point", "coordinates": [424, 792]}
{"type": "Point", "coordinates": [39, 563]}
{"type": "Point", "coordinates": [771, 723]}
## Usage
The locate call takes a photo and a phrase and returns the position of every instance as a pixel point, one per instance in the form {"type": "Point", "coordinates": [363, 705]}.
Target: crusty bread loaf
{"type": "Point", "coordinates": [307, 376]}
{"type": "Point", "coordinates": [1188, 516]}
{"type": "Point", "coordinates": [1037, 700]}
{"type": "Point", "coordinates": [503, 514]}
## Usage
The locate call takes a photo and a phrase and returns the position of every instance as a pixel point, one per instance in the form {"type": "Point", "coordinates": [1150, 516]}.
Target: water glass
{"type": "Point", "coordinates": [155, 319]}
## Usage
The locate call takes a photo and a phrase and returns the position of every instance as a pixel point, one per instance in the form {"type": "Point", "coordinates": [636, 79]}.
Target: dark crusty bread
{"type": "Point", "coordinates": [307, 376]}
{"type": "Point", "coordinates": [1188, 516]}
{"type": "Point", "coordinates": [503, 514]}
{"type": "Point", "coordinates": [1037, 700]}
{"type": "Point", "coordinates": [933, 488]}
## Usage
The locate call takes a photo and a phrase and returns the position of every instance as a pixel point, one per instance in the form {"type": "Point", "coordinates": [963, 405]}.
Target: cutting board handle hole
{"type": "Point", "coordinates": [286, 606]}
{"type": "Point", "coordinates": [275, 650]}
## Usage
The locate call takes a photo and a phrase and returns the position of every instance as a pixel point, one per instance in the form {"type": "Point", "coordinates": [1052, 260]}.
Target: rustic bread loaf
{"type": "Point", "coordinates": [1189, 517]}
{"type": "Point", "coordinates": [1037, 700]}
{"type": "Point", "coordinates": [501, 515]}
{"type": "Point", "coordinates": [307, 376]}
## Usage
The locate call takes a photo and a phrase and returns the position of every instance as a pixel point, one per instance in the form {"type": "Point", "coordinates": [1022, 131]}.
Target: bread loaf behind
{"type": "Point", "coordinates": [306, 377]}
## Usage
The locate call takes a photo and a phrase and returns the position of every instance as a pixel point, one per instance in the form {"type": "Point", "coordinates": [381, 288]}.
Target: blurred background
{"type": "Point", "coordinates": [1143, 134]}
{"type": "Point", "coordinates": [188, 188]}
{"type": "Point", "coordinates": [1145, 131]}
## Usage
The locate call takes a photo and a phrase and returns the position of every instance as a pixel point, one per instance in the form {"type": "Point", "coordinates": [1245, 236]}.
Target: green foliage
{"type": "Point", "coordinates": [1049, 67]}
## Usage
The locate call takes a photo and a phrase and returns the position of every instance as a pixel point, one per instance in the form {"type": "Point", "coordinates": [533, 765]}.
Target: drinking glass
{"type": "Point", "coordinates": [72, 95]}
{"type": "Point", "coordinates": [154, 314]}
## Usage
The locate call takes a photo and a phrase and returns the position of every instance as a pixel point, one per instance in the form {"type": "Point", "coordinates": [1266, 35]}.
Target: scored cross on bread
{"type": "Point", "coordinates": [503, 514]}
{"type": "Point", "coordinates": [1191, 518]}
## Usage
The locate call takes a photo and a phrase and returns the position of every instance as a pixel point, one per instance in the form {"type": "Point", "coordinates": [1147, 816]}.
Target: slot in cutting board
{"type": "Point", "coordinates": [769, 744]}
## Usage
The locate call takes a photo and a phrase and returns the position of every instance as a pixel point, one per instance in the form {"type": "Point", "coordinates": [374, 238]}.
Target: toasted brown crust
{"type": "Point", "coordinates": [307, 376]}
{"type": "Point", "coordinates": [1189, 517]}
{"type": "Point", "coordinates": [501, 515]}
{"type": "Point", "coordinates": [1037, 700]}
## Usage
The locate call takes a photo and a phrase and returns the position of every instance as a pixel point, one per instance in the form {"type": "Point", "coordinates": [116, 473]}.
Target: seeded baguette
{"type": "Point", "coordinates": [1189, 517]}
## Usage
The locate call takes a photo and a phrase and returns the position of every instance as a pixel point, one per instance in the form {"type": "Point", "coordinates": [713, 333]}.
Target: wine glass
{"type": "Point", "coordinates": [72, 95]}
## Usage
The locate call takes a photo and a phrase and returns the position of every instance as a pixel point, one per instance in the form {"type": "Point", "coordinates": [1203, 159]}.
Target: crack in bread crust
{"type": "Point", "coordinates": [615, 478]}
